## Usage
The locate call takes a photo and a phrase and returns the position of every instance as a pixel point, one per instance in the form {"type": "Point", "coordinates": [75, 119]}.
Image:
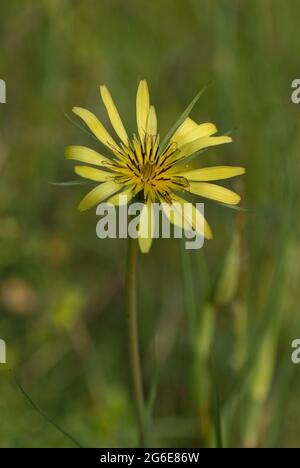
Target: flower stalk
{"type": "Point", "coordinates": [133, 337]}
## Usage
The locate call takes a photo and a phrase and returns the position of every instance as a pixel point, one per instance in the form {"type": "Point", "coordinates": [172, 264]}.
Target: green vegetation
{"type": "Point", "coordinates": [217, 324]}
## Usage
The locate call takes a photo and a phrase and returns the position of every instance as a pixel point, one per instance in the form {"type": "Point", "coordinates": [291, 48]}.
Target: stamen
{"type": "Point", "coordinates": [148, 170]}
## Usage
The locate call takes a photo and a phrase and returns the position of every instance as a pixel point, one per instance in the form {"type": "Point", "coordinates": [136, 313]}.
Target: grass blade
{"type": "Point", "coordinates": [71, 183]}
{"type": "Point", "coordinates": [183, 116]}
{"type": "Point", "coordinates": [80, 126]}
{"type": "Point", "coordinates": [189, 292]}
{"type": "Point", "coordinates": [45, 416]}
{"type": "Point", "coordinates": [216, 408]}
{"type": "Point", "coordinates": [234, 207]}
{"type": "Point", "coordinates": [148, 417]}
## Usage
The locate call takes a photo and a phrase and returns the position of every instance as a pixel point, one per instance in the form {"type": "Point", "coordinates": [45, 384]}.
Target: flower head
{"type": "Point", "coordinates": [141, 167]}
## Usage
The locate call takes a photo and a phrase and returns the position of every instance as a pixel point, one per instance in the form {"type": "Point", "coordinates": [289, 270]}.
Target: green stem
{"type": "Point", "coordinates": [133, 337]}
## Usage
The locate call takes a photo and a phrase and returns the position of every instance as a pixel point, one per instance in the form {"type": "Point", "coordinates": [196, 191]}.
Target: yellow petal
{"type": "Point", "coordinates": [172, 214]}
{"type": "Point", "coordinates": [122, 198]}
{"type": "Point", "coordinates": [146, 228]}
{"type": "Point", "coordinates": [86, 155]}
{"type": "Point", "coordinates": [201, 143]}
{"type": "Point", "coordinates": [151, 128]}
{"type": "Point", "coordinates": [113, 114]}
{"type": "Point", "coordinates": [95, 126]}
{"type": "Point", "coordinates": [195, 218]}
{"type": "Point", "coordinates": [91, 173]}
{"type": "Point", "coordinates": [142, 108]}
{"type": "Point", "coordinates": [187, 125]}
{"type": "Point", "coordinates": [190, 218]}
{"type": "Point", "coordinates": [213, 173]}
{"type": "Point", "coordinates": [98, 194]}
{"type": "Point", "coordinates": [214, 192]}
{"type": "Point", "coordinates": [202, 130]}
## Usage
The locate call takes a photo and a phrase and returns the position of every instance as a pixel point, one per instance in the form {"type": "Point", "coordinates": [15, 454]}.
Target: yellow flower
{"type": "Point", "coordinates": [140, 166]}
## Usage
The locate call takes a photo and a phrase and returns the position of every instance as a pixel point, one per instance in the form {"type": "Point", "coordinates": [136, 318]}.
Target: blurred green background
{"type": "Point", "coordinates": [215, 324]}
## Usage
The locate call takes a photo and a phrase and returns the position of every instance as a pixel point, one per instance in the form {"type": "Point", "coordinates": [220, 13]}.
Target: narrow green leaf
{"type": "Point", "coordinates": [45, 416]}
{"type": "Point", "coordinates": [230, 131]}
{"type": "Point", "coordinates": [216, 408]}
{"type": "Point", "coordinates": [71, 183]}
{"type": "Point", "coordinates": [183, 116]}
{"type": "Point", "coordinates": [189, 292]}
{"type": "Point", "coordinates": [149, 408]}
{"type": "Point", "coordinates": [80, 126]}
{"type": "Point", "coordinates": [234, 207]}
